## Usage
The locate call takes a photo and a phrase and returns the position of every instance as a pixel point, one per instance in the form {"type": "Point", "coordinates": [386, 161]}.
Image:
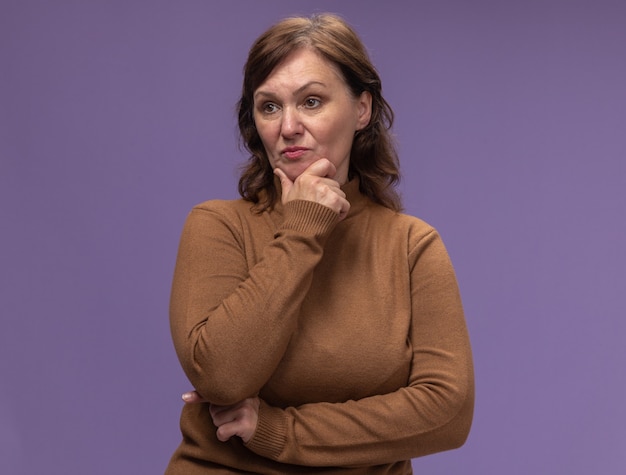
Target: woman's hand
{"type": "Point", "coordinates": [315, 184]}
{"type": "Point", "coordinates": [236, 420]}
{"type": "Point", "coordinates": [239, 419]}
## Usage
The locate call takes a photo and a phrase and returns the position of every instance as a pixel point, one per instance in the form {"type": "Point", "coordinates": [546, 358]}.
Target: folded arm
{"type": "Point", "coordinates": [231, 322]}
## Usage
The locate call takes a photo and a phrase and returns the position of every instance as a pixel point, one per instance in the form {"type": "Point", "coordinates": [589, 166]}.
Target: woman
{"type": "Point", "coordinates": [322, 329]}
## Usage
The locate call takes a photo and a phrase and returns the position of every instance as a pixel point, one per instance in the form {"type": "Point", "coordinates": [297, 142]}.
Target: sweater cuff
{"type": "Point", "coordinates": [309, 217]}
{"type": "Point", "coordinates": [271, 432]}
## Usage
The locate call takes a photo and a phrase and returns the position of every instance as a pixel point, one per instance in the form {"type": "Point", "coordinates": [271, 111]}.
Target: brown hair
{"type": "Point", "coordinates": [373, 158]}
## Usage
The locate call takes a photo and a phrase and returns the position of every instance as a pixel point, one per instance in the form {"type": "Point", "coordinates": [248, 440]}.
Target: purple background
{"type": "Point", "coordinates": [117, 116]}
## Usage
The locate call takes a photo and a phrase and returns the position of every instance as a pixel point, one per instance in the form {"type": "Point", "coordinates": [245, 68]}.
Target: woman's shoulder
{"type": "Point", "coordinates": [402, 221]}
{"type": "Point", "coordinates": [223, 205]}
{"type": "Point", "coordinates": [415, 232]}
{"type": "Point", "coordinates": [413, 221]}
{"type": "Point", "coordinates": [418, 230]}
{"type": "Point", "coordinates": [228, 212]}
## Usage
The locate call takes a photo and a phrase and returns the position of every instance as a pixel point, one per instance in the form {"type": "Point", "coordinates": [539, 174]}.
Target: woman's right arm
{"type": "Point", "coordinates": [231, 324]}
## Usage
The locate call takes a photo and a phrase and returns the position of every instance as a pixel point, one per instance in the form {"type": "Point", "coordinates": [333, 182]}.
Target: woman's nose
{"type": "Point", "coordinates": [291, 124]}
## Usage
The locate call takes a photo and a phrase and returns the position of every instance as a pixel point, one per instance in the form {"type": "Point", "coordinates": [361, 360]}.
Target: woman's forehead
{"type": "Point", "coordinates": [299, 69]}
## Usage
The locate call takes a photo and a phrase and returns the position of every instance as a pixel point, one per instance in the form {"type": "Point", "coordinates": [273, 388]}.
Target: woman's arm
{"type": "Point", "coordinates": [231, 324]}
{"type": "Point", "coordinates": [431, 414]}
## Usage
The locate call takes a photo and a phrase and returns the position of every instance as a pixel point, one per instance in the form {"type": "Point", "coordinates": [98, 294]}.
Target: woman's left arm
{"type": "Point", "coordinates": [431, 414]}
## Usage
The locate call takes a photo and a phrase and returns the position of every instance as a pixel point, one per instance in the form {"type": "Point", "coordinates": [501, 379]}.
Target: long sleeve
{"type": "Point", "coordinates": [231, 319]}
{"type": "Point", "coordinates": [432, 413]}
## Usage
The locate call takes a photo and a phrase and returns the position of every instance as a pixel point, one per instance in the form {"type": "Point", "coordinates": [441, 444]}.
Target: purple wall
{"type": "Point", "coordinates": [117, 116]}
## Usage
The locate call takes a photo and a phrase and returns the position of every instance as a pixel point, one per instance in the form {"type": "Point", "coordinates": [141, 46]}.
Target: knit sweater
{"type": "Point", "coordinates": [351, 333]}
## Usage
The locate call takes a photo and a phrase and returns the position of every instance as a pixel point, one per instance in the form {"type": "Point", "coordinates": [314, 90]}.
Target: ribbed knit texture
{"type": "Point", "coordinates": [271, 432]}
{"type": "Point", "coordinates": [307, 219]}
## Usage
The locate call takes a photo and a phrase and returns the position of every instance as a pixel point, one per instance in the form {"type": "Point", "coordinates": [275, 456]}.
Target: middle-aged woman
{"type": "Point", "coordinates": [321, 328]}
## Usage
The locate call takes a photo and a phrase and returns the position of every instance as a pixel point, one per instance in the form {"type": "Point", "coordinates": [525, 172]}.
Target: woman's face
{"type": "Point", "coordinates": [305, 111]}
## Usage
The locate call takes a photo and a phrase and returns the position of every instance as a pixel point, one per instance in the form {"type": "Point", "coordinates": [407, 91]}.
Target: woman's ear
{"type": "Point", "coordinates": [364, 110]}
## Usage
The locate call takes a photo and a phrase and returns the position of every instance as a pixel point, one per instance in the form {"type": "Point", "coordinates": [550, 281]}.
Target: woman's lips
{"type": "Point", "coordinates": [293, 153]}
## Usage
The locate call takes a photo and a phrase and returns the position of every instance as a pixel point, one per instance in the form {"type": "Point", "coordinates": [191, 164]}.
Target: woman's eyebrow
{"type": "Point", "coordinates": [261, 93]}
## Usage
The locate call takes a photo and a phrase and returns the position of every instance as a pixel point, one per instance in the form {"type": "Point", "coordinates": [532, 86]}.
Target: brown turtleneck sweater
{"type": "Point", "coordinates": [351, 333]}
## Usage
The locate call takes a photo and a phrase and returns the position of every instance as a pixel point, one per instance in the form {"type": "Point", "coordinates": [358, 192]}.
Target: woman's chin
{"type": "Point", "coordinates": [294, 170]}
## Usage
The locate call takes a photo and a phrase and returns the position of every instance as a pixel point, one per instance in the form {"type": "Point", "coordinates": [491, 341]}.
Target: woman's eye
{"type": "Point", "coordinates": [269, 108]}
{"type": "Point", "coordinates": [312, 103]}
